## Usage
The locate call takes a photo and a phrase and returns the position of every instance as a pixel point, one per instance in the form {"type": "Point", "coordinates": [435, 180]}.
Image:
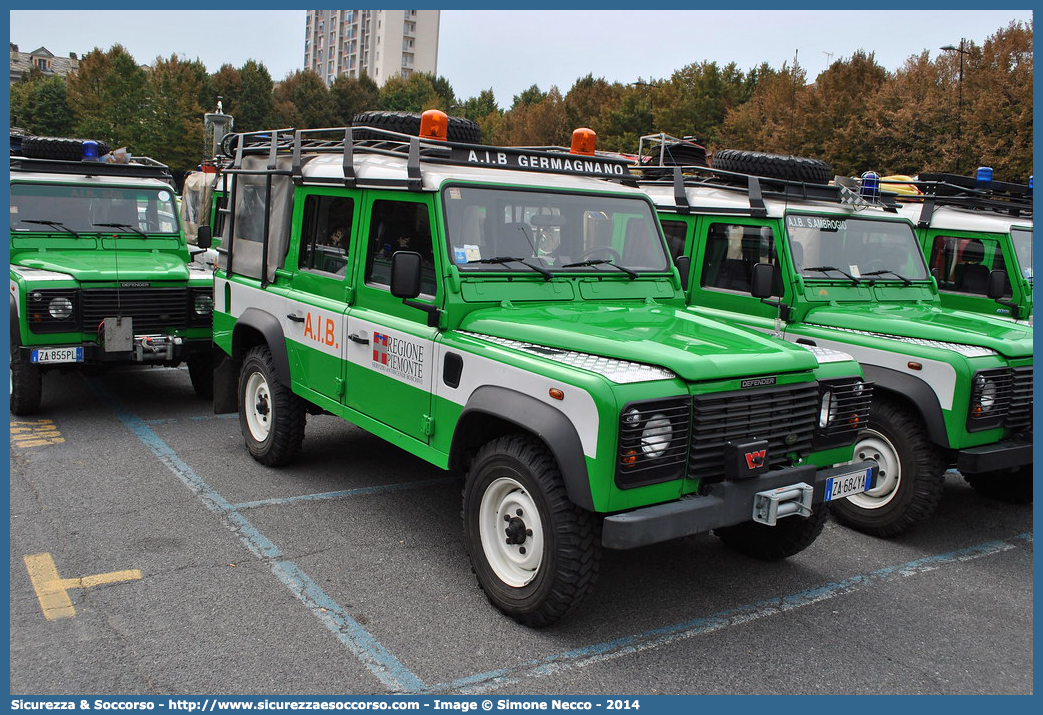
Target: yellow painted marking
{"type": "Point", "coordinates": [53, 591]}
{"type": "Point", "coordinates": [34, 433]}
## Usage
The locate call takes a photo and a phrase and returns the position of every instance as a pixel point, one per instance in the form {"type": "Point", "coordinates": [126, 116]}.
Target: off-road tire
{"type": "Point", "coordinates": [58, 148]}
{"type": "Point", "coordinates": [201, 372]}
{"type": "Point", "coordinates": [1009, 485]}
{"type": "Point", "coordinates": [678, 154]}
{"type": "Point", "coordinates": [774, 166]}
{"type": "Point", "coordinates": [789, 536]}
{"type": "Point", "coordinates": [921, 476]}
{"type": "Point", "coordinates": [286, 416]}
{"type": "Point", "coordinates": [565, 550]}
{"type": "Point", "coordinates": [460, 129]}
{"type": "Point", "coordinates": [26, 386]}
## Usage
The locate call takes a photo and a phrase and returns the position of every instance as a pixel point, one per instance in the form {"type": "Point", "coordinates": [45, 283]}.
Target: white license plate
{"type": "Point", "coordinates": [844, 485]}
{"type": "Point", "coordinates": [43, 355]}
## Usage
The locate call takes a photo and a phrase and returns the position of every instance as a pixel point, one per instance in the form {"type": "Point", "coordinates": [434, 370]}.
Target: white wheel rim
{"type": "Point", "coordinates": [258, 407]}
{"type": "Point", "coordinates": [516, 564]}
{"type": "Point", "coordinates": [873, 445]}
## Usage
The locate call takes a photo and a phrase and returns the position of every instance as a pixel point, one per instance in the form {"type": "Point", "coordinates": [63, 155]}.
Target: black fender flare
{"type": "Point", "coordinates": [917, 392]}
{"type": "Point", "coordinates": [270, 327]}
{"type": "Point", "coordinates": [550, 425]}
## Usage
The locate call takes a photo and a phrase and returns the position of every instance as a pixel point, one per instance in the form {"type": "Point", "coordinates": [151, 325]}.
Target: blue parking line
{"type": "Point", "coordinates": [361, 491]}
{"type": "Point", "coordinates": [626, 645]}
{"type": "Point", "coordinates": [358, 640]}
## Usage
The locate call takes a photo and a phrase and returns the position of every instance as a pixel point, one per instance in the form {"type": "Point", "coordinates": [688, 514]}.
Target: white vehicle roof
{"type": "Point", "coordinates": [961, 219]}
{"type": "Point", "coordinates": [711, 199]}
{"type": "Point", "coordinates": [81, 179]}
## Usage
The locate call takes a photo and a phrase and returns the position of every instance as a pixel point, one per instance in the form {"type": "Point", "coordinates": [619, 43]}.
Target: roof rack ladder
{"type": "Point", "coordinates": [680, 195]}
{"type": "Point", "coordinates": [758, 210]}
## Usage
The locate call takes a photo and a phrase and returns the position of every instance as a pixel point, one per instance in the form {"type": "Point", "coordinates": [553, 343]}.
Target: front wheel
{"type": "Point", "coordinates": [788, 537]}
{"type": "Point", "coordinates": [909, 481]}
{"type": "Point", "coordinates": [272, 418]}
{"type": "Point", "coordinates": [1012, 485]}
{"type": "Point", "coordinates": [535, 553]}
{"type": "Point", "coordinates": [26, 387]}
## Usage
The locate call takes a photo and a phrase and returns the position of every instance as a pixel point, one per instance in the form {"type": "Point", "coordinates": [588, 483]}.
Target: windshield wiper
{"type": "Point", "coordinates": [823, 269]}
{"type": "Point", "coordinates": [601, 262]}
{"type": "Point", "coordinates": [547, 275]}
{"type": "Point", "coordinates": [53, 224]}
{"type": "Point", "coordinates": [123, 225]}
{"type": "Point", "coordinates": [883, 271]}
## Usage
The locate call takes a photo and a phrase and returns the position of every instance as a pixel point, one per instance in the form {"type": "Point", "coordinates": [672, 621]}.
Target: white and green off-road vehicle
{"type": "Point", "coordinates": [509, 313]}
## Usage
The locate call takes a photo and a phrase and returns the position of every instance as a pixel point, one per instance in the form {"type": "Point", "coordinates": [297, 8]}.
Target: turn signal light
{"type": "Point", "coordinates": [630, 458]}
{"type": "Point", "coordinates": [583, 141]}
{"type": "Point", "coordinates": [434, 124]}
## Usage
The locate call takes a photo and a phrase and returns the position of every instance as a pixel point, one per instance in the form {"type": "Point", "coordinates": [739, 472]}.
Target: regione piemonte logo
{"type": "Point", "coordinates": [380, 348]}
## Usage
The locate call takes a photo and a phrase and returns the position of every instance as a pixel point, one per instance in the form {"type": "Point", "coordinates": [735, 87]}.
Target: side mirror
{"type": "Point", "coordinates": [405, 274]}
{"type": "Point", "coordinates": [996, 285]}
{"type": "Point", "coordinates": [684, 267]}
{"type": "Point", "coordinates": [761, 280]}
{"type": "Point", "coordinates": [204, 236]}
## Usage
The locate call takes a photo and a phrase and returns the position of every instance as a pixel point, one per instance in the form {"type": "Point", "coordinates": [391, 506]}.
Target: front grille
{"type": "Point", "coordinates": [1019, 415]}
{"type": "Point", "coordinates": [990, 403]}
{"type": "Point", "coordinates": [785, 416]}
{"type": "Point", "coordinates": [154, 310]}
{"type": "Point", "coordinates": [848, 412]}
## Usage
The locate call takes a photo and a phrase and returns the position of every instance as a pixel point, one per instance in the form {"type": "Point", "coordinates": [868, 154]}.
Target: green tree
{"type": "Point", "coordinates": [254, 108]}
{"type": "Point", "coordinates": [771, 120]}
{"type": "Point", "coordinates": [39, 105]}
{"type": "Point", "coordinates": [528, 97]}
{"type": "Point", "coordinates": [303, 101]}
{"type": "Point", "coordinates": [415, 94]}
{"type": "Point", "coordinates": [174, 133]}
{"type": "Point", "coordinates": [540, 124]}
{"type": "Point", "coordinates": [588, 99]}
{"type": "Point", "coordinates": [109, 97]}
{"type": "Point", "coordinates": [351, 96]}
{"type": "Point", "coordinates": [696, 99]}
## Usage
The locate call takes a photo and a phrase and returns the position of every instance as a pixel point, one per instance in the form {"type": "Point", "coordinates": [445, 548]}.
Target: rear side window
{"type": "Point", "coordinates": [732, 250]}
{"type": "Point", "coordinates": [675, 234]}
{"type": "Point", "coordinates": [962, 265]}
{"type": "Point", "coordinates": [326, 234]}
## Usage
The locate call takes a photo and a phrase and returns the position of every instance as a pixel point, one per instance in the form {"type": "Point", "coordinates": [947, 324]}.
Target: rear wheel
{"type": "Point", "coordinates": [1011, 485]}
{"type": "Point", "coordinates": [789, 536]}
{"type": "Point", "coordinates": [908, 484]}
{"type": "Point", "coordinates": [535, 553]}
{"type": "Point", "coordinates": [26, 386]}
{"type": "Point", "coordinates": [272, 418]}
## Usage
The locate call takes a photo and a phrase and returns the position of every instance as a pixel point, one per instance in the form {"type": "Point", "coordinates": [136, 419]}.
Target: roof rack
{"type": "Point", "coordinates": [757, 188]}
{"type": "Point", "coordinates": [942, 189]}
{"type": "Point", "coordinates": [303, 144]}
{"type": "Point", "coordinates": [138, 167]}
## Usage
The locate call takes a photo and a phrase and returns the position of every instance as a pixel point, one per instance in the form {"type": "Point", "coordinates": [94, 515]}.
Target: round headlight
{"type": "Point", "coordinates": [204, 304]}
{"type": "Point", "coordinates": [986, 392]}
{"type": "Point", "coordinates": [827, 410]}
{"type": "Point", "coordinates": [655, 438]}
{"type": "Point", "coordinates": [632, 418]}
{"type": "Point", "coordinates": [60, 308]}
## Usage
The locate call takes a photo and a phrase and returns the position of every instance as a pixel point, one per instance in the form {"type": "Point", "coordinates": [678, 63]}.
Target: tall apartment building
{"type": "Point", "coordinates": [383, 43]}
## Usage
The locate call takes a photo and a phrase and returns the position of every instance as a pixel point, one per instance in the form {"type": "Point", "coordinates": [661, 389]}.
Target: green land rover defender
{"type": "Point", "coordinates": [509, 313]}
{"type": "Point", "coordinates": [100, 272]}
{"type": "Point", "coordinates": [825, 265]}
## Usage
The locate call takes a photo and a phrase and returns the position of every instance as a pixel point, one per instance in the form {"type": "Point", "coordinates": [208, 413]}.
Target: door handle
{"type": "Point", "coordinates": [295, 318]}
{"type": "Point", "coordinates": [360, 339]}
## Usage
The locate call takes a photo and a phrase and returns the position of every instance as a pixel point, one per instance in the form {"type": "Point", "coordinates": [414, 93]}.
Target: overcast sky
{"type": "Point", "coordinates": [511, 50]}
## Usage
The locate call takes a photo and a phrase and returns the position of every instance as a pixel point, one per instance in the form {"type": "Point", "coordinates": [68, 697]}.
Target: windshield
{"type": "Point", "coordinates": [551, 231]}
{"type": "Point", "coordinates": [1022, 239]}
{"type": "Point", "coordinates": [838, 247]}
{"type": "Point", "coordinates": [56, 208]}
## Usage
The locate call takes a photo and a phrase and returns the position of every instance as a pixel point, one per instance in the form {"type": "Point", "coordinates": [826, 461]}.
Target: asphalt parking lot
{"type": "Point", "coordinates": [151, 555]}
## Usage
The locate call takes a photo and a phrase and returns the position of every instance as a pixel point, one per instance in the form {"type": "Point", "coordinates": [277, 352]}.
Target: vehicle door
{"type": "Point", "coordinates": [320, 292]}
{"type": "Point", "coordinates": [390, 351]}
{"type": "Point", "coordinates": [961, 262]}
{"type": "Point", "coordinates": [724, 252]}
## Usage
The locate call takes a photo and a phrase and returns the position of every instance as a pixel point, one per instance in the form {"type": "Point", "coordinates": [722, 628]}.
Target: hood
{"type": "Point", "coordinates": [87, 266]}
{"type": "Point", "coordinates": [693, 347]}
{"type": "Point", "coordinates": [928, 322]}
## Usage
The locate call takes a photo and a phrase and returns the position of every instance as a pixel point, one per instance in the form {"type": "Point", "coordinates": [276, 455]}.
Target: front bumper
{"type": "Point", "coordinates": [1008, 454]}
{"type": "Point", "coordinates": [726, 503]}
{"type": "Point", "coordinates": [145, 349]}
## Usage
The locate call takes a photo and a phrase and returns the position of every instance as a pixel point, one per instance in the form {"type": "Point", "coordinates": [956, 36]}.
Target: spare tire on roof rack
{"type": "Point", "coordinates": [58, 148]}
{"type": "Point", "coordinates": [460, 129]}
{"type": "Point", "coordinates": [680, 153]}
{"type": "Point", "coordinates": [773, 166]}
